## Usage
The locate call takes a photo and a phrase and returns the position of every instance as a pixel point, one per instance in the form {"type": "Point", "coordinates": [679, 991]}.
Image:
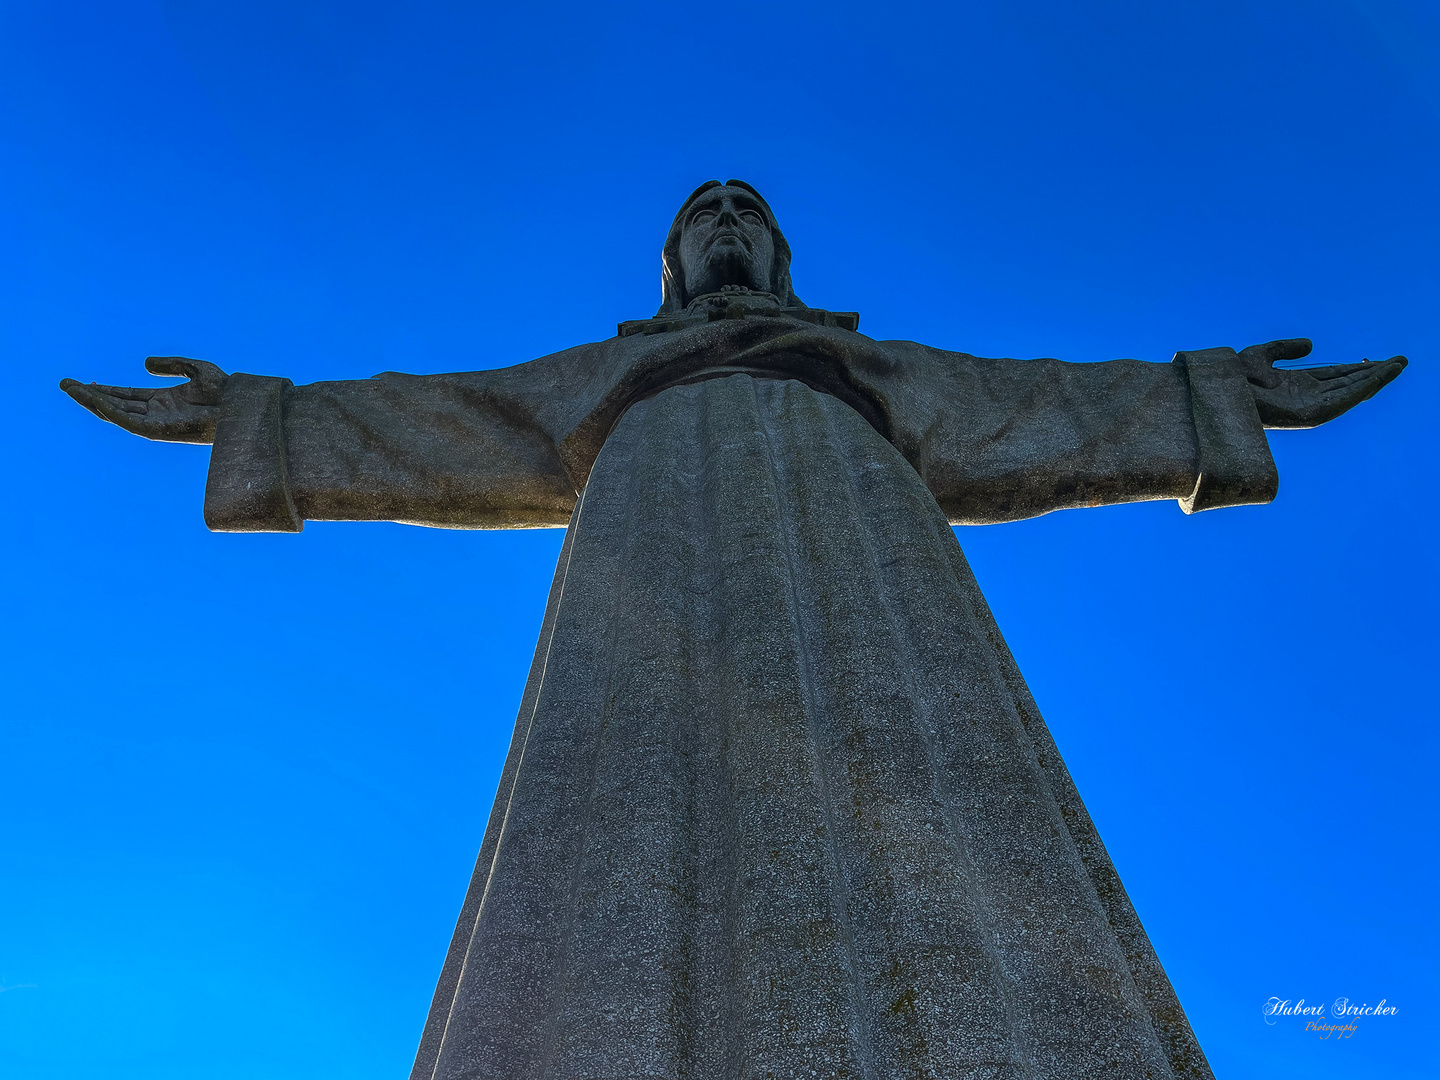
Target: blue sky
{"type": "Point", "coordinates": [246, 776]}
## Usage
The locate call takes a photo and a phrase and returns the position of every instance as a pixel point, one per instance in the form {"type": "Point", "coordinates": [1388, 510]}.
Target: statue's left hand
{"type": "Point", "coordinates": [184, 413]}
{"type": "Point", "coordinates": [1308, 398]}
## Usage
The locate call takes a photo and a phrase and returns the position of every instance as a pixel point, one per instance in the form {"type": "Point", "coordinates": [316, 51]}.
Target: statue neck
{"type": "Point", "coordinates": [748, 301]}
{"type": "Point", "coordinates": [736, 302]}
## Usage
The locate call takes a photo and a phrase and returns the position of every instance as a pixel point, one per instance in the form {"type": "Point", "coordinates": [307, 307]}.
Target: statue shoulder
{"type": "Point", "coordinates": [921, 356]}
{"type": "Point", "coordinates": [577, 358]}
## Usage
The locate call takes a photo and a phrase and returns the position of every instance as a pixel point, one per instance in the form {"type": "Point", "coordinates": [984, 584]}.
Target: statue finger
{"type": "Point", "coordinates": [1386, 369]}
{"type": "Point", "coordinates": [1347, 391]}
{"type": "Point", "coordinates": [132, 406]}
{"type": "Point", "coordinates": [126, 393]}
{"type": "Point", "coordinates": [82, 395]}
{"type": "Point", "coordinates": [1370, 374]}
{"type": "Point", "coordinates": [184, 367]}
{"type": "Point", "coordinates": [129, 393]}
{"type": "Point", "coordinates": [1335, 371]}
{"type": "Point", "coordinates": [175, 366]}
{"type": "Point", "coordinates": [1281, 349]}
{"type": "Point", "coordinates": [123, 412]}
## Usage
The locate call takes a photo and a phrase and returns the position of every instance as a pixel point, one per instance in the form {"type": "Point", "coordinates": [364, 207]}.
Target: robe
{"type": "Point", "coordinates": [778, 802]}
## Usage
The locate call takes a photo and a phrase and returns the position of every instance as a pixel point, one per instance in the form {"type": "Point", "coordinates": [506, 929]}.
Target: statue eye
{"type": "Point", "coordinates": [702, 216]}
{"type": "Point", "coordinates": [752, 217]}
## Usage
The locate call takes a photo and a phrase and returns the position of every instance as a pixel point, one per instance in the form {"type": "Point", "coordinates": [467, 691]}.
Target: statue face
{"type": "Point", "coordinates": [725, 240]}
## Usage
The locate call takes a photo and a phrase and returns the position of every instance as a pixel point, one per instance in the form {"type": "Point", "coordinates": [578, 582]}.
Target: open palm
{"type": "Point", "coordinates": [184, 413]}
{"type": "Point", "coordinates": [1306, 399]}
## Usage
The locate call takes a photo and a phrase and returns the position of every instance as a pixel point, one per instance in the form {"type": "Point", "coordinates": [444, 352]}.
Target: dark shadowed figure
{"type": "Point", "coordinates": [778, 802]}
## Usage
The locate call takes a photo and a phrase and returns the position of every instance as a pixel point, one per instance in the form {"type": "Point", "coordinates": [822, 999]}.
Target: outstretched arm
{"type": "Point", "coordinates": [998, 440]}
{"type": "Point", "coordinates": [456, 451]}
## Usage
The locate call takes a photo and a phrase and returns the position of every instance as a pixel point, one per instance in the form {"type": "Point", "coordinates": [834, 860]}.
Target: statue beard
{"type": "Point", "coordinates": [730, 264]}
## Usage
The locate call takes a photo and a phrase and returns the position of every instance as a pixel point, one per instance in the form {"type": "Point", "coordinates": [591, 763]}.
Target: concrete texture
{"type": "Point", "coordinates": [779, 801]}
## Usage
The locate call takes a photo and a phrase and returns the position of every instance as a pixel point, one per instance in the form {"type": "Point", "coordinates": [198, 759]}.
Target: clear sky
{"type": "Point", "coordinates": [245, 777]}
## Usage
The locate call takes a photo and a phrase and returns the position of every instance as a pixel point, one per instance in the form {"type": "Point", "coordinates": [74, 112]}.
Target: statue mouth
{"type": "Point", "coordinates": [736, 237]}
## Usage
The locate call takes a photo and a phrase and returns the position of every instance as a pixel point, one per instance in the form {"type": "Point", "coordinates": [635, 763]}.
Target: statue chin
{"type": "Point", "coordinates": [728, 270]}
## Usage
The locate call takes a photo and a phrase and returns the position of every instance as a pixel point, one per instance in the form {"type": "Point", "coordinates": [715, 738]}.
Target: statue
{"type": "Point", "coordinates": [778, 803]}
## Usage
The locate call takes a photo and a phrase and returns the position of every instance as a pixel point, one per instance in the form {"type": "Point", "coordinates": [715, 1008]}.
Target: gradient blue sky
{"type": "Point", "coordinates": [246, 776]}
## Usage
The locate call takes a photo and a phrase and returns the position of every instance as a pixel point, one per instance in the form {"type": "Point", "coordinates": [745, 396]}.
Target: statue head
{"type": "Point", "coordinates": [724, 234]}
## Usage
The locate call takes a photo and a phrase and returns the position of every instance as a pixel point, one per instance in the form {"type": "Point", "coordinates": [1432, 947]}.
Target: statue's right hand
{"type": "Point", "coordinates": [184, 413]}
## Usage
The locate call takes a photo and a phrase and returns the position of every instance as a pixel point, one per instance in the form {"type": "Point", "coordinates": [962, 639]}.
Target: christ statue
{"type": "Point", "coordinates": [778, 802]}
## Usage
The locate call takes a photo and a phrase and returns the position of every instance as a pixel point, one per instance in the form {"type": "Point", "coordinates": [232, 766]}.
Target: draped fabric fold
{"type": "Point", "coordinates": [778, 803]}
{"type": "Point", "coordinates": [993, 439]}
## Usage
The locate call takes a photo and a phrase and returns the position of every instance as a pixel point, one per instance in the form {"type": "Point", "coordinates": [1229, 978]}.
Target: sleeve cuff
{"type": "Point", "coordinates": [248, 489]}
{"type": "Point", "coordinates": [1234, 467]}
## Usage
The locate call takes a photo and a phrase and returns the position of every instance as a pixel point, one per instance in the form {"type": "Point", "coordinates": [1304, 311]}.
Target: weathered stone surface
{"type": "Point", "coordinates": [778, 802]}
{"type": "Point", "coordinates": [783, 803]}
{"type": "Point", "coordinates": [994, 440]}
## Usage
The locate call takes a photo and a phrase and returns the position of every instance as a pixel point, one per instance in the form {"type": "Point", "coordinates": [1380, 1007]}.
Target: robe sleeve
{"type": "Point", "coordinates": [455, 451]}
{"type": "Point", "coordinates": [1000, 440]}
